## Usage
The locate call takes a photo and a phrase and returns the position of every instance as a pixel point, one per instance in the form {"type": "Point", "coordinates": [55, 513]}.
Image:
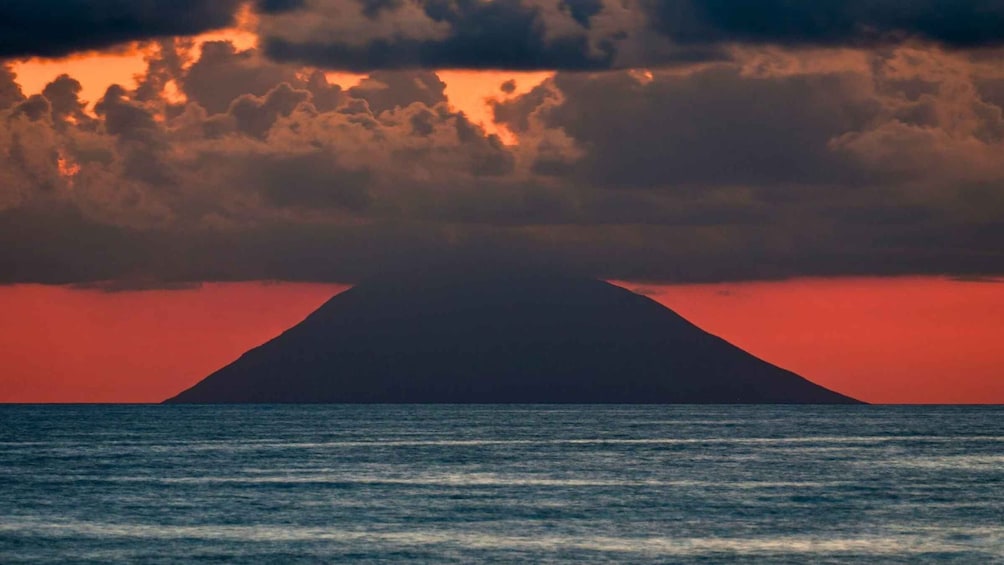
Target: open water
{"type": "Point", "coordinates": [466, 484]}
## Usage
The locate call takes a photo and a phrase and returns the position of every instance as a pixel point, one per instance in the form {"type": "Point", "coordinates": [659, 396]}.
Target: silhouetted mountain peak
{"type": "Point", "coordinates": [490, 335]}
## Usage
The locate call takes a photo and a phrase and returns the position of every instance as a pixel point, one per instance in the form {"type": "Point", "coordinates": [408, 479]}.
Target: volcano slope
{"type": "Point", "coordinates": [499, 338]}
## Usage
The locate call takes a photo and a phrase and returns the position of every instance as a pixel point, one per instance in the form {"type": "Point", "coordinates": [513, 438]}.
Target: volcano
{"type": "Point", "coordinates": [500, 338]}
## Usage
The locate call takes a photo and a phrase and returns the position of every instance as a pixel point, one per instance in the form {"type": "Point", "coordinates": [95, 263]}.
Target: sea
{"type": "Point", "coordinates": [501, 484]}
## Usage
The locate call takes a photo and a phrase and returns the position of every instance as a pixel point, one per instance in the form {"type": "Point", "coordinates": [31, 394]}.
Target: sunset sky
{"type": "Point", "coordinates": [821, 183]}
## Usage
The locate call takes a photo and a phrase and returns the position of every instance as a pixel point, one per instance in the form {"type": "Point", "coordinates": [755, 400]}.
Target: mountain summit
{"type": "Point", "coordinates": [499, 338]}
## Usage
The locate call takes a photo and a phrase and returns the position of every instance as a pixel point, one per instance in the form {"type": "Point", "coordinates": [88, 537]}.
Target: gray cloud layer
{"type": "Point", "coordinates": [781, 143]}
{"type": "Point", "coordinates": [777, 163]}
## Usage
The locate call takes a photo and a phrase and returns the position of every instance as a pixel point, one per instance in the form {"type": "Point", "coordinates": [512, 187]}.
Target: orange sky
{"type": "Point", "coordinates": [899, 340]}
{"type": "Point", "coordinates": [907, 340]}
{"type": "Point", "coordinates": [467, 91]}
{"type": "Point", "coordinates": [66, 345]}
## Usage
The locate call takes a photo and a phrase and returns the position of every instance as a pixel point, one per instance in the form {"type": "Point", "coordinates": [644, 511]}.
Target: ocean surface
{"type": "Point", "coordinates": [505, 484]}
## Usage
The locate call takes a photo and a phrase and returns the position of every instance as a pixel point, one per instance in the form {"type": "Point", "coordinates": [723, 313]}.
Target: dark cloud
{"type": "Point", "coordinates": [778, 163]}
{"type": "Point", "coordinates": [163, 67]}
{"type": "Point", "coordinates": [958, 23]}
{"type": "Point", "coordinates": [222, 74]}
{"type": "Point", "coordinates": [63, 95]}
{"type": "Point", "coordinates": [384, 91]}
{"type": "Point", "coordinates": [56, 245]}
{"type": "Point", "coordinates": [276, 6]}
{"type": "Point", "coordinates": [255, 115]}
{"type": "Point", "coordinates": [60, 27]}
{"type": "Point", "coordinates": [293, 182]}
{"type": "Point", "coordinates": [126, 120]}
{"type": "Point", "coordinates": [603, 34]}
{"type": "Point", "coordinates": [709, 128]}
{"type": "Point", "coordinates": [992, 90]}
{"type": "Point", "coordinates": [363, 35]}
{"type": "Point", "coordinates": [54, 28]}
{"type": "Point", "coordinates": [470, 34]}
{"type": "Point", "coordinates": [35, 107]}
{"type": "Point", "coordinates": [737, 171]}
{"type": "Point", "coordinates": [10, 90]}
{"type": "Point", "coordinates": [583, 11]}
{"type": "Point", "coordinates": [372, 8]}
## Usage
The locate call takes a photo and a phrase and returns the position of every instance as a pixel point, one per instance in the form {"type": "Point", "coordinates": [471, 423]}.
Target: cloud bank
{"type": "Point", "coordinates": [855, 139]}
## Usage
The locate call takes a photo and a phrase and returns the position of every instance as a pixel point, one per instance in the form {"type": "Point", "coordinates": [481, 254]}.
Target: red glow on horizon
{"type": "Point", "coordinates": [67, 345]}
{"type": "Point", "coordinates": [908, 340]}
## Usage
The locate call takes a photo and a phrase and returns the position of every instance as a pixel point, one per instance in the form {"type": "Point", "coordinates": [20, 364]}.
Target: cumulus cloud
{"type": "Point", "coordinates": [778, 170]}
{"type": "Point", "coordinates": [10, 90]}
{"type": "Point", "coordinates": [852, 156]}
{"type": "Point", "coordinates": [303, 164]}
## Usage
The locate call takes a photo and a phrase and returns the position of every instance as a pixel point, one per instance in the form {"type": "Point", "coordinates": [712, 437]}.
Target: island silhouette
{"type": "Point", "coordinates": [499, 336]}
